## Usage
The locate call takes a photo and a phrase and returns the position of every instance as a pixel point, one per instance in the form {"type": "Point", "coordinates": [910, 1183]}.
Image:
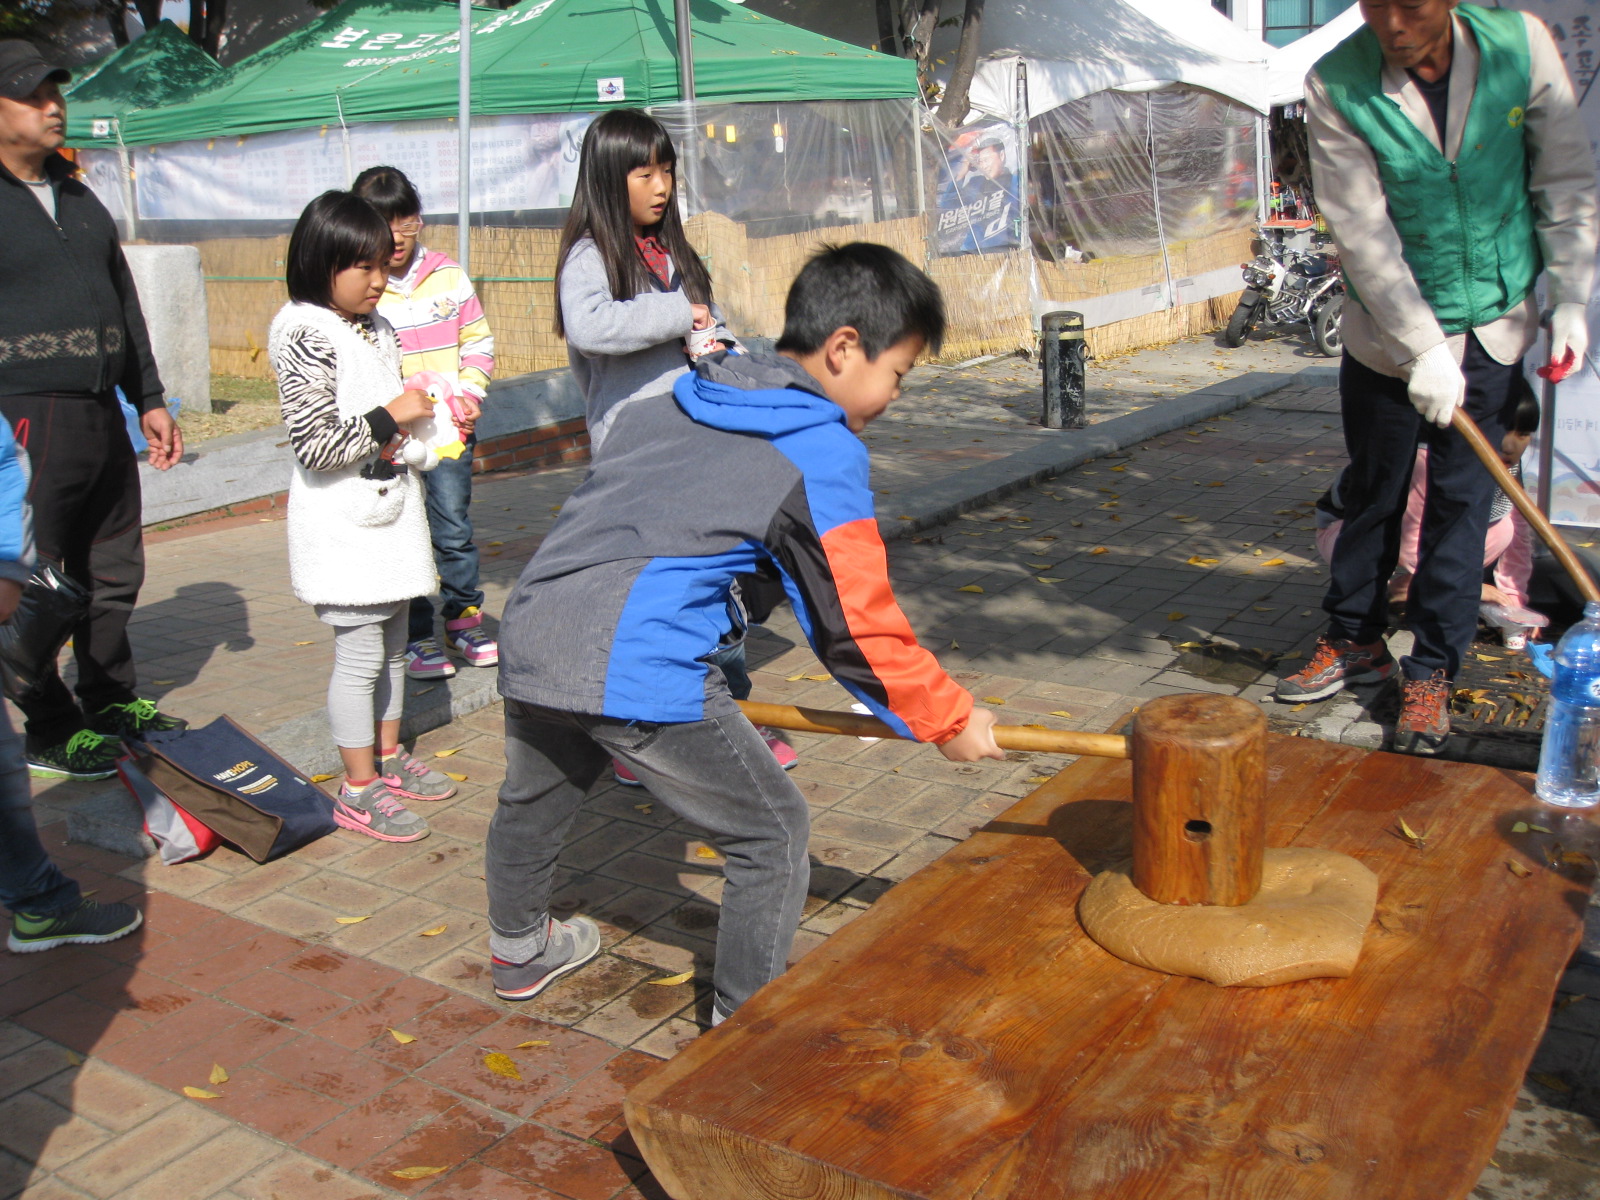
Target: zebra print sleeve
{"type": "Point", "coordinates": [308, 398]}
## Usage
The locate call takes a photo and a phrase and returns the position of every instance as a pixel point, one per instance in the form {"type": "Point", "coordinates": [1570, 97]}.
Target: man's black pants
{"type": "Point", "coordinates": [1381, 433]}
{"type": "Point", "coordinates": [86, 519]}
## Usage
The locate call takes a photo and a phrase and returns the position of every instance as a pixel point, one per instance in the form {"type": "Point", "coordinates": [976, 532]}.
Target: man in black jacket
{"type": "Point", "coordinates": [71, 332]}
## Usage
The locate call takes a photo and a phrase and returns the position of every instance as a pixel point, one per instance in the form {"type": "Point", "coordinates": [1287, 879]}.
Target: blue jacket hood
{"type": "Point", "coordinates": [765, 394]}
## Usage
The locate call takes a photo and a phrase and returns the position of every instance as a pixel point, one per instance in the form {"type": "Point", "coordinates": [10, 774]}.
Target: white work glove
{"type": "Point", "coordinates": [1436, 385]}
{"type": "Point", "coordinates": [1569, 331]}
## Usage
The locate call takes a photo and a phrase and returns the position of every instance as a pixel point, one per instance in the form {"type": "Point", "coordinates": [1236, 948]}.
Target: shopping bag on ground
{"type": "Point", "coordinates": [177, 835]}
{"type": "Point", "coordinates": [52, 605]}
{"type": "Point", "coordinates": [234, 785]}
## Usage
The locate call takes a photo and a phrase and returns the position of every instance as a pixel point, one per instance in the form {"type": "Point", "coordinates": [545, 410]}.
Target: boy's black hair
{"type": "Point", "coordinates": [389, 191]}
{"type": "Point", "coordinates": [871, 288]}
{"type": "Point", "coordinates": [336, 230]}
{"type": "Point", "coordinates": [619, 141]}
{"type": "Point", "coordinates": [1525, 416]}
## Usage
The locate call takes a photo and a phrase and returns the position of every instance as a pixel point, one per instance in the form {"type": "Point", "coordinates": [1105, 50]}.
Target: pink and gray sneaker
{"type": "Point", "coordinates": [375, 811]}
{"type": "Point", "coordinates": [466, 637]}
{"type": "Point", "coordinates": [424, 660]}
{"type": "Point", "coordinates": [408, 776]}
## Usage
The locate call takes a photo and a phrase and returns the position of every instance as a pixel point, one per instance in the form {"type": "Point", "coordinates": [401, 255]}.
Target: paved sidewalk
{"type": "Point", "coordinates": [1089, 604]}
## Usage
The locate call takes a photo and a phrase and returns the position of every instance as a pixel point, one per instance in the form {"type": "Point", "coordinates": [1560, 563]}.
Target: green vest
{"type": "Point", "coordinates": [1466, 227]}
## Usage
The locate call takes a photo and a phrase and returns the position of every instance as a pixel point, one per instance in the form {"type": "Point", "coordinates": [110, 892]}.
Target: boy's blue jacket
{"type": "Point", "coordinates": [746, 466]}
{"type": "Point", "coordinates": [16, 518]}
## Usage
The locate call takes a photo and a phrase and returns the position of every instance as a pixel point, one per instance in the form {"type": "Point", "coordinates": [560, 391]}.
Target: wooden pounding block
{"type": "Point", "coordinates": [964, 1040]}
{"type": "Point", "coordinates": [1199, 790]}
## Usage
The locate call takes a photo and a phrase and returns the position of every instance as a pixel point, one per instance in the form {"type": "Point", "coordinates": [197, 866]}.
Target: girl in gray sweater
{"type": "Point", "coordinates": [634, 302]}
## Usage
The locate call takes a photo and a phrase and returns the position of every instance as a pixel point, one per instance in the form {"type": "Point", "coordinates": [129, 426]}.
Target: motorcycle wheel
{"type": "Point", "coordinates": [1241, 323]}
{"type": "Point", "coordinates": [1327, 326]}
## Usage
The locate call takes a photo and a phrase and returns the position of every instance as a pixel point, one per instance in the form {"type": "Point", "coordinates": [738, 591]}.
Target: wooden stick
{"type": "Point", "coordinates": [1007, 737]}
{"type": "Point", "coordinates": [1490, 457]}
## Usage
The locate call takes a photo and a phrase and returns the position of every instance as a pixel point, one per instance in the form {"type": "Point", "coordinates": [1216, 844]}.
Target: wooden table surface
{"type": "Point", "coordinates": [965, 1039]}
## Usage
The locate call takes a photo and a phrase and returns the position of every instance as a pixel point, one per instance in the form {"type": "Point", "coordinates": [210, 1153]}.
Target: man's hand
{"type": "Point", "coordinates": [164, 436]}
{"type": "Point", "coordinates": [975, 741]}
{"type": "Point", "coordinates": [1436, 385]}
{"type": "Point", "coordinates": [1569, 334]}
{"type": "Point", "coordinates": [10, 597]}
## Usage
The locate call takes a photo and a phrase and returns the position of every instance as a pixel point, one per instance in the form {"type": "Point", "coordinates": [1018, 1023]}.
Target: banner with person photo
{"type": "Point", "coordinates": [977, 198]}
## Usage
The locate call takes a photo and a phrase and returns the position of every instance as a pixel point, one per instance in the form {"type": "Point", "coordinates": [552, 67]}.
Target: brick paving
{"type": "Point", "coordinates": [246, 966]}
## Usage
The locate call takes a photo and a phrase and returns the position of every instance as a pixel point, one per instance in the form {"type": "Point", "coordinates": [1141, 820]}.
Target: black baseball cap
{"type": "Point", "coordinates": [23, 68]}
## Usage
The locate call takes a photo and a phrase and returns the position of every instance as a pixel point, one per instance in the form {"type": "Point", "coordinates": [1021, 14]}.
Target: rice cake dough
{"type": "Point", "coordinates": [1306, 922]}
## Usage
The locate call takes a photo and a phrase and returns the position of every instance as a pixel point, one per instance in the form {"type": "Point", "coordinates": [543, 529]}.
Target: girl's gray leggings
{"type": "Point", "coordinates": [369, 678]}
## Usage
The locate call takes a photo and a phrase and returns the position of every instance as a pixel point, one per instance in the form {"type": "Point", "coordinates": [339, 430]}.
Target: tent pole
{"type": "Point", "coordinates": [1263, 166]}
{"type": "Point", "coordinates": [128, 200]}
{"type": "Point", "coordinates": [1024, 169]}
{"type": "Point", "coordinates": [464, 145]}
{"type": "Point", "coordinates": [344, 141]}
{"type": "Point", "coordinates": [687, 154]}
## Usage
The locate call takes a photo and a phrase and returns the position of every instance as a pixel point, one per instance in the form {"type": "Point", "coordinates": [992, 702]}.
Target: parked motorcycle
{"type": "Point", "coordinates": [1288, 287]}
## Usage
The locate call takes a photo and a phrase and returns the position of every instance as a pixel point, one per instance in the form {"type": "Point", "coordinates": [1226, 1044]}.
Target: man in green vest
{"type": "Point", "coordinates": [1452, 167]}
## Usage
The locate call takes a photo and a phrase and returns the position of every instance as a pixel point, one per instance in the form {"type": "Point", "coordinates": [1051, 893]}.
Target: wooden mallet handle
{"type": "Point", "coordinates": [1490, 457]}
{"type": "Point", "coordinates": [1007, 737]}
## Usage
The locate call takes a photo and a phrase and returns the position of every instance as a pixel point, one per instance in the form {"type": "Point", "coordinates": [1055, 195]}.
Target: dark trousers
{"type": "Point", "coordinates": [86, 514]}
{"type": "Point", "coordinates": [449, 505]}
{"type": "Point", "coordinates": [1381, 433]}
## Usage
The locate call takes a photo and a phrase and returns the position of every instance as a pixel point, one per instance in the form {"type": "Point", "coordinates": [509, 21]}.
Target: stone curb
{"type": "Point", "coordinates": [112, 820]}
{"type": "Point", "coordinates": [935, 503]}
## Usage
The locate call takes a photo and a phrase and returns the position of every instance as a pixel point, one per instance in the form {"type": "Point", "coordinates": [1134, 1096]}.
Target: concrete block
{"type": "Point", "coordinates": [172, 293]}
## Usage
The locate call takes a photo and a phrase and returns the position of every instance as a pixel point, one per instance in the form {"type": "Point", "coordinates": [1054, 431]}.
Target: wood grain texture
{"type": "Point", "coordinates": [1007, 737]}
{"type": "Point", "coordinates": [1199, 799]}
{"type": "Point", "coordinates": [963, 1040]}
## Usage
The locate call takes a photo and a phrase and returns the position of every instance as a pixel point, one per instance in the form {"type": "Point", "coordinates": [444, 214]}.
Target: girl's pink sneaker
{"type": "Point", "coordinates": [467, 638]}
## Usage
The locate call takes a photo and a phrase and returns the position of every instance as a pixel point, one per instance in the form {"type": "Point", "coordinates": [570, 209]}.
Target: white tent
{"type": "Point", "coordinates": [1288, 65]}
{"type": "Point", "coordinates": [1073, 50]}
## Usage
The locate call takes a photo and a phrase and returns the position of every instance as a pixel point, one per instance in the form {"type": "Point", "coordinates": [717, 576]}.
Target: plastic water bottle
{"type": "Point", "coordinates": [1569, 758]}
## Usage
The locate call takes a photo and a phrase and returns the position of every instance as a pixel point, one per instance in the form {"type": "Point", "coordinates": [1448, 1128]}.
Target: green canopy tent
{"type": "Point", "coordinates": [160, 68]}
{"type": "Point", "coordinates": [396, 60]}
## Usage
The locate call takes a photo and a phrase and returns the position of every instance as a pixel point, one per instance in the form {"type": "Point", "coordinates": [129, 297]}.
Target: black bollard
{"type": "Point", "coordinates": [1061, 356]}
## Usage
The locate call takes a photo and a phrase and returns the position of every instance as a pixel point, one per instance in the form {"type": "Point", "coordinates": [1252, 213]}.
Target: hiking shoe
{"type": "Point", "coordinates": [466, 637]}
{"type": "Point", "coordinates": [570, 945]}
{"type": "Point", "coordinates": [622, 775]}
{"type": "Point", "coordinates": [1334, 663]}
{"type": "Point", "coordinates": [375, 811]}
{"type": "Point", "coordinates": [84, 755]}
{"type": "Point", "coordinates": [87, 924]}
{"type": "Point", "coordinates": [134, 719]}
{"type": "Point", "coordinates": [1424, 725]}
{"type": "Point", "coordinates": [781, 750]}
{"type": "Point", "coordinates": [407, 775]}
{"type": "Point", "coordinates": [424, 660]}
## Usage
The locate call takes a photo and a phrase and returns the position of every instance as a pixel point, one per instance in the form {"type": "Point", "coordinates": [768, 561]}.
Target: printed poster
{"type": "Point", "coordinates": [977, 204]}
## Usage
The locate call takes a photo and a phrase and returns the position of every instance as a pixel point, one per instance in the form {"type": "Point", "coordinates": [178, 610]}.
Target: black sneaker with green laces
{"type": "Point", "coordinates": [87, 924]}
{"type": "Point", "coordinates": [134, 719]}
{"type": "Point", "coordinates": [84, 755]}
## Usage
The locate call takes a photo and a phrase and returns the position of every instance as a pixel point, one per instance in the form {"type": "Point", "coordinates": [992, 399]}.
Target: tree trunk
{"type": "Point", "coordinates": [917, 19]}
{"type": "Point", "coordinates": [888, 28]}
{"type": "Point", "coordinates": [953, 105]}
{"type": "Point", "coordinates": [149, 12]}
{"type": "Point", "coordinates": [197, 22]}
{"type": "Point", "coordinates": [117, 17]}
{"type": "Point", "coordinates": [216, 18]}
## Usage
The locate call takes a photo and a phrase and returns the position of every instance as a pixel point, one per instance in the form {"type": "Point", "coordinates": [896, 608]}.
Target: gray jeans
{"type": "Point", "coordinates": [717, 773]}
{"type": "Point", "coordinates": [368, 683]}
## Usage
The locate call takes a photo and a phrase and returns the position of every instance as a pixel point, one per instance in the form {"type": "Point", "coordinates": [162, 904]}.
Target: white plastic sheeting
{"type": "Point", "coordinates": [1288, 66]}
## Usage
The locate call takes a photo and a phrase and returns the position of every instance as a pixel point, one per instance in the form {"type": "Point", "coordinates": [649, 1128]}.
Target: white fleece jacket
{"type": "Point", "coordinates": [354, 541]}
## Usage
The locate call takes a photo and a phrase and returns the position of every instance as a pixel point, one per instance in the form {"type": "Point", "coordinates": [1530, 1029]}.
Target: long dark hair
{"type": "Point", "coordinates": [619, 141]}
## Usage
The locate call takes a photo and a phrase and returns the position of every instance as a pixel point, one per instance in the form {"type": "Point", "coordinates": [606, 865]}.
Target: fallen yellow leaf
{"type": "Point", "coordinates": [497, 543]}
{"type": "Point", "coordinates": [1039, 778]}
{"type": "Point", "coordinates": [418, 1172]}
{"type": "Point", "coordinates": [163, 682]}
{"type": "Point", "coordinates": [993, 700]}
{"type": "Point", "coordinates": [646, 809]}
{"type": "Point", "coordinates": [218, 1075]}
{"type": "Point", "coordinates": [405, 1039]}
{"type": "Point", "coordinates": [971, 587]}
{"type": "Point", "coordinates": [448, 753]}
{"type": "Point", "coordinates": [674, 980]}
{"type": "Point", "coordinates": [706, 852]}
{"type": "Point", "coordinates": [195, 1093]}
{"type": "Point", "coordinates": [1520, 827]}
{"type": "Point", "coordinates": [531, 1045]}
{"type": "Point", "coordinates": [352, 920]}
{"type": "Point", "coordinates": [819, 678]}
{"type": "Point", "coordinates": [434, 932]}
{"type": "Point", "coordinates": [1196, 560]}
{"type": "Point", "coordinates": [1517, 869]}
{"type": "Point", "coordinates": [302, 643]}
{"type": "Point", "coordinates": [453, 775]}
{"type": "Point", "coordinates": [1554, 1082]}
{"type": "Point", "coordinates": [1487, 657]}
{"type": "Point", "coordinates": [1047, 579]}
{"type": "Point", "coordinates": [1411, 834]}
{"type": "Point", "coordinates": [74, 1059]}
{"type": "Point", "coordinates": [1041, 566]}
{"type": "Point", "coordinates": [321, 778]}
{"type": "Point", "coordinates": [502, 1065]}
{"type": "Point", "coordinates": [1538, 828]}
{"type": "Point", "coordinates": [1176, 616]}
{"type": "Point", "coordinates": [1099, 550]}
{"type": "Point", "coordinates": [1569, 1001]}
{"type": "Point", "coordinates": [1061, 712]}
{"type": "Point", "coordinates": [1273, 562]}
